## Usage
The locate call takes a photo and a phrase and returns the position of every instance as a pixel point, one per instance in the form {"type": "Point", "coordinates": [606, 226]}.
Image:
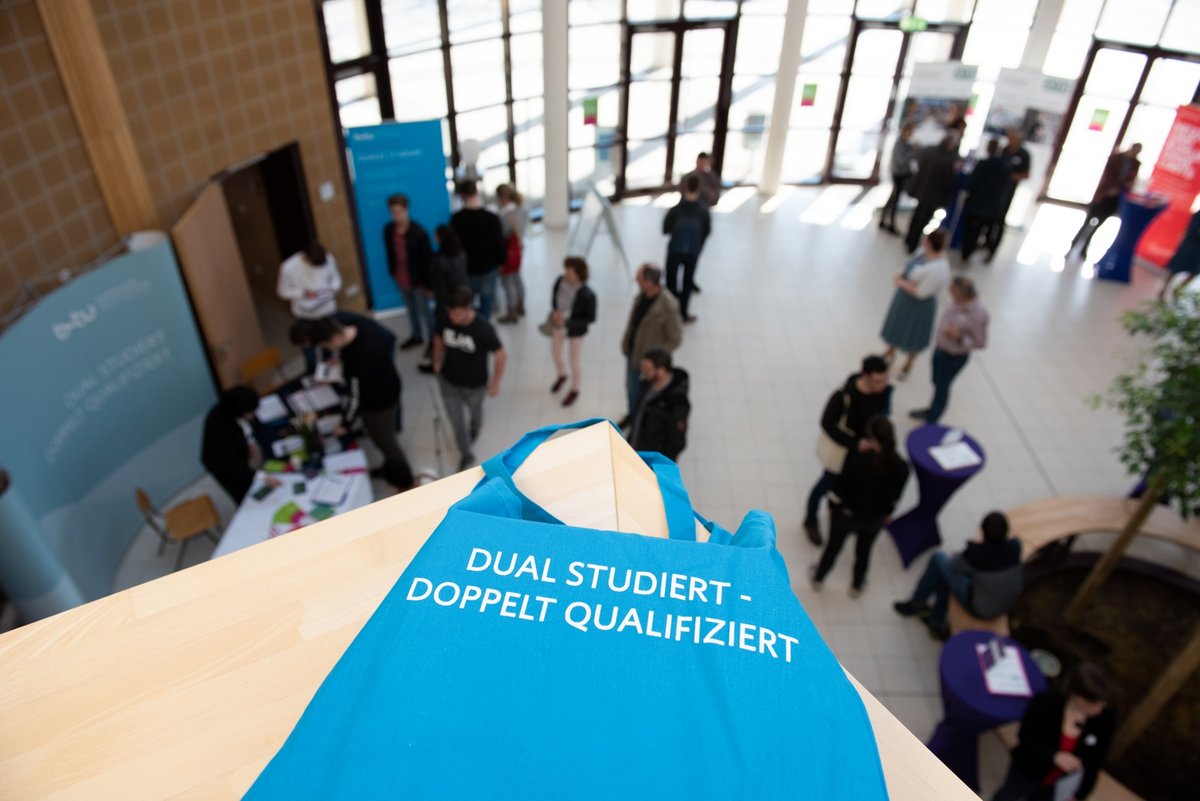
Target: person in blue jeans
{"type": "Point", "coordinates": [654, 322]}
{"type": "Point", "coordinates": [962, 329]}
{"type": "Point", "coordinates": [985, 578]}
{"type": "Point", "coordinates": [688, 225]}
{"type": "Point", "coordinates": [409, 256]}
{"type": "Point", "coordinates": [482, 239]}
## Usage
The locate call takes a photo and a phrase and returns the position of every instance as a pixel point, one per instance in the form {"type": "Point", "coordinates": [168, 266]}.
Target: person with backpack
{"type": "Point", "coordinates": [688, 225]}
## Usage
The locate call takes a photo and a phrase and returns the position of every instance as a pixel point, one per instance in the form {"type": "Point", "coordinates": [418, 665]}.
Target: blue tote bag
{"type": "Point", "coordinates": [520, 658]}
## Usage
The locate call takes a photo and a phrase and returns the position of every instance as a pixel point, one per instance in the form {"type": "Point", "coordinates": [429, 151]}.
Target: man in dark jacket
{"type": "Point", "coordinates": [228, 449]}
{"type": "Point", "coordinates": [985, 578]}
{"type": "Point", "coordinates": [1120, 172]}
{"type": "Point", "coordinates": [932, 186]}
{"type": "Point", "coordinates": [654, 322]}
{"type": "Point", "coordinates": [1019, 166]}
{"type": "Point", "coordinates": [688, 224]}
{"type": "Point", "coordinates": [844, 423]}
{"type": "Point", "coordinates": [660, 422]}
{"type": "Point", "coordinates": [986, 190]}
{"type": "Point", "coordinates": [482, 238]}
{"type": "Point", "coordinates": [409, 255]}
{"type": "Point", "coordinates": [373, 389]}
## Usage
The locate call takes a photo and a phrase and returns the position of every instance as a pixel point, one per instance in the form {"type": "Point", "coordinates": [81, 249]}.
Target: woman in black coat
{"type": "Point", "coordinates": [573, 309]}
{"type": "Point", "coordinates": [1063, 740]}
{"type": "Point", "coordinates": [864, 497]}
{"type": "Point", "coordinates": [225, 451]}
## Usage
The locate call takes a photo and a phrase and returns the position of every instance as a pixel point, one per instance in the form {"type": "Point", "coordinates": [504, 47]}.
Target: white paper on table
{"type": "Point", "coordinates": [1005, 675]}
{"type": "Point", "coordinates": [300, 403]}
{"type": "Point", "coordinates": [329, 373]}
{"type": "Point", "coordinates": [323, 397]}
{"type": "Point", "coordinates": [955, 456]}
{"type": "Point", "coordinates": [282, 447]}
{"type": "Point", "coordinates": [951, 436]}
{"type": "Point", "coordinates": [328, 424]}
{"type": "Point", "coordinates": [345, 461]}
{"type": "Point", "coordinates": [331, 445]}
{"type": "Point", "coordinates": [331, 489]}
{"type": "Point", "coordinates": [270, 408]}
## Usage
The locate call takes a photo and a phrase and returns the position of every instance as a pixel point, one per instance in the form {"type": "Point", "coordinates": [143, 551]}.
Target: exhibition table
{"type": "Point", "coordinates": [1136, 213]}
{"type": "Point", "coordinates": [970, 708]}
{"type": "Point", "coordinates": [187, 685]}
{"type": "Point", "coordinates": [916, 531]}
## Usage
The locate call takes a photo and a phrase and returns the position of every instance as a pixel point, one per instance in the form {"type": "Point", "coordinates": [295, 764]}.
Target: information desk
{"type": "Point", "coordinates": [186, 686]}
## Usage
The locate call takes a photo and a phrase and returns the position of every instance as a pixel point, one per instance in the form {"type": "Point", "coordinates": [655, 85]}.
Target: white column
{"type": "Point", "coordinates": [785, 94]}
{"type": "Point", "coordinates": [555, 110]}
{"type": "Point", "coordinates": [1037, 46]}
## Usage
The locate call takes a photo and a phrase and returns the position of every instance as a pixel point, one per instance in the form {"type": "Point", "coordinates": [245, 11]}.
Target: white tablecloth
{"type": "Point", "coordinates": [251, 524]}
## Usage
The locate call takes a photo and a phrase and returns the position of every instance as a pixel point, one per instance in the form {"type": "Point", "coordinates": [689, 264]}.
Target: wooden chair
{"type": "Point", "coordinates": [181, 522]}
{"type": "Point", "coordinates": [261, 363]}
{"type": "Point", "coordinates": [960, 620]}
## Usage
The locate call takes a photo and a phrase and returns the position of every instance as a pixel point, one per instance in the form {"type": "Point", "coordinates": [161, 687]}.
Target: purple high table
{"type": "Point", "coordinates": [969, 708]}
{"type": "Point", "coordinates": [916, 531]}
{"type": "Point", "coordinates": [1136, 213]}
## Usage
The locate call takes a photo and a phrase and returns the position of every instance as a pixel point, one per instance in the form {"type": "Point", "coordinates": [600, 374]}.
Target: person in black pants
{"type": "Point", "coordinates": [864, 496]}
{"type": "Point", "coordinates": [572, 310]}
{"type": "Point", "coordinates": [373, 390]}
{"type": "Point", "coordinates": [660, 421]}
{"type": "Point", "coordinates": [228, 449]}
{"type": "Point", "coordinates": [932, 186]}
{"type": "Point", "coordinates": [987, 189]}
{"type": "Point", "coordinates": [688, 224]}
{"type": "Point", "coordinates": [903, 153]}
{"type": "Point", "coordinates": [1120, 171]}
{"type": "Point", "coordinates": [1063, 740]}
{"type": "Point", "coordinates": [482, 236]}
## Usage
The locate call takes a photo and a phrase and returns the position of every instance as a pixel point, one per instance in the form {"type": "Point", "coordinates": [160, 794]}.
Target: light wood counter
{"type": "Point", "coordinates": [186, 686]}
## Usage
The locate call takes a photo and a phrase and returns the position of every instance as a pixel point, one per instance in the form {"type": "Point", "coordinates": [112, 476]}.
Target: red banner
{"type": "Point", "coordinates": [1177, 176]}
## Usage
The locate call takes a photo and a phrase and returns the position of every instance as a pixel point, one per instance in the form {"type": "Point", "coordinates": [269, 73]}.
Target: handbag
{"type": "Point", "coordinates": [831, 454]}
{"type": "Point", "coordinates": [547, 326]}
{"type": "Point", "coordinates": [518, 657]}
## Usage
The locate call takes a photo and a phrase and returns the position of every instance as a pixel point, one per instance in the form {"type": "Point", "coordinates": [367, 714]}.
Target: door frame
{"type": "Point", "coordinates": [1152, 54]}
{"type": "Point", "coordinates": [960, 30]}
{"type": "Point", "coordinates": [679, 27]}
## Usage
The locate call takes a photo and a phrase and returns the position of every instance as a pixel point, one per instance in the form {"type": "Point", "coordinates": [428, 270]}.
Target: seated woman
{"type": "Point", "coordinates": [228, 450]}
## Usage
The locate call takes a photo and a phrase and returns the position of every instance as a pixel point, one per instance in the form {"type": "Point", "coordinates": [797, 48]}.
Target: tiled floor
{"type": "Point", "coordinates": [795, 290]}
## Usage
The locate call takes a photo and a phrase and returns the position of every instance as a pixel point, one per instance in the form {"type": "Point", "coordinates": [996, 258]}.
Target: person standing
{"type": "Point", "coordinates": [862, 499]}
{"type": "Point", "coordinates": [409, 256]}
{"type": "Point", "coordinates": [1186, 260]}
{"type": "Point", "coordinates": [482, 239]}
{"type": "Point", "coordinates": [710, 182]}
{"type": "Point", "coordinates": [654, 322]}
{"type": "Point", "coordinates": [373, 390]}
{"type": "Point", "coordinates": [908, 325]}
{"type": "Point", "coordinates": [309, 280]}
{"type": "Point", "coordinates": [228, 450]}
{"type": "Point", "coordinates": [688, 225]}
{"type": "Point", "coordinates": [864, 395]}
{"type": "Point", "coordinates": [1062, 742]}
{"type": "Point", "coordinates": [986, 578]}
{"type": "Point", "coordinates": [573, 309]}
{"type": "Point", "coordinates": [1120, 171]}
{"type": "Point", "coordinates": [660, 422]}
{"type": "Point", "coordinates": [1019, 164]}
{"type": "Point", "coordinates": [904, 154]}
{"type": "Point", "coordinates": [987, 188]}
{"type": "Point", "coordinates": [514, 219]}
{"type": "Point", "coordinates": [933, 185]}
{"type": "Point", "coordinates": [962, 329]}
{"type": "Point", "coordinates": [460, 359]}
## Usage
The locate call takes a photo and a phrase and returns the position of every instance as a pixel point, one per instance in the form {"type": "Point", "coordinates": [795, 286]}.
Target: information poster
{"type": "Point", "coordinates": [397, 157]}
{"type": "Point", "coordinates": [939, 95]}
{"type": "Point", "coordinates": [1177, 176]}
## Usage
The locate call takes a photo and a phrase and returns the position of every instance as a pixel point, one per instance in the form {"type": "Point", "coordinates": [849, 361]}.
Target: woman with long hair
{"type": "Point", "coordinates": [573, 309]}
{"type": "Point", "coordinates": [862, 500]}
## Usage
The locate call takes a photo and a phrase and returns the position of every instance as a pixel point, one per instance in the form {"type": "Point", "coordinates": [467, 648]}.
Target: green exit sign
{"type": "Point", "coordinates": [912, 24]}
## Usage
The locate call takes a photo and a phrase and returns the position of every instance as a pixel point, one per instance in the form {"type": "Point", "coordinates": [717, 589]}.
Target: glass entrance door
{"type": "Point", "coordinates": [879, 64]}
{"type": "Point", "coordinates": [677, 79]}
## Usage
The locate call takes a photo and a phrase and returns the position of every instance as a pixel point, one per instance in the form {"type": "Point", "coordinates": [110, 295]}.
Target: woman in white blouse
{"type": "Point", "coordinates": [908, 325]}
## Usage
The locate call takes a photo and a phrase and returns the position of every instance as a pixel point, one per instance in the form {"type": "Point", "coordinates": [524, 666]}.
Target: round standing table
{"type": "Point", "coordinates": [1136, 213]}
{"type": "Point", "coordinates": [969, 708]}
{"type": "Point", "coordinates": [916, 531]}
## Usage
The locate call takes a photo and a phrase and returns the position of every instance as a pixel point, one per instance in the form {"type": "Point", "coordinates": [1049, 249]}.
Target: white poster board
{"type": "Point", "coordinates": [938, 94]}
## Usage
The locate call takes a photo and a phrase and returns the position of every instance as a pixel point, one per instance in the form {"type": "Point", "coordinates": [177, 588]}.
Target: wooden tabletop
{"type": "Point", "coordinates": [186, 686]}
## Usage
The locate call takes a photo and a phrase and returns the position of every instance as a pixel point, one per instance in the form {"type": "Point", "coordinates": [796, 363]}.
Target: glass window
{"type": "Point", "coordinates": [823, 44]}
{"type": "Point", "coordinates": [607, 112]}
{"type": "Point", "coordinates": [697, 104]}
{"type": "Point", "coordinates": [709, 9]}
{"type": "Point", "coordinates": [419, 86]}
{"type": "Point", "coordinates": [649, 107]}
{"type": "Point", "coordinates": [842, 8]}
{"type": "Point", "coordinates": [1139, 21]}
{"type": "Point", "coordinates": [525, 16]}
{"type": "Point", "coordinates": [644, 10]}
{"type": "Point", "coordinates": [877, 53]}
{"type": "Point", "coordinates": [882, 9]}
{"type": "Point", "coordinates": [1080, 16]}
{"type": "Point", "coordinates": [586, 12]}
{"type": "Point", "coordinates": [531, 181]}
{"type": "Point", "coordinates": [816, 96]}
{"type": "Point", "coordinates": [1182, 27]}
{"type": "Point", "coordinates": [992, 46]}
{"type": "Point", "coordinates": [1171, 82]}
{"type": "Point", "coordinates": [1115, 73]}
{"type": "Point", "coordinates": [478, 70]}
{"type": "Point", "coordinates": [526, 54]}
{"type": "Point", "coordinates": [1067, 54]}
{"type": "Point", "coordinates": [530, 134]}
{"type": "Point", "coordinates": [1090, 140]}
{"type": "Point", "coordinates": [652, 55]}
{"type": "Point", "coordinates": [804, 156]}
{"type": "Point", "coordinates": [1005, 12]}
{"type": "Point", "coordinates": [490, 127]}
{"type": "Point", "coordinates": [759, 43]}
{"type": "Point", "coordinates": [593, 56]}
{"type": "Point", "coordinates": [702, 53]}
{"type": "Point", "coordinates": [952, 10]}
{"type": "Point", "coordinates": [410, 26]}
{"type": "Point", "coordinates": [1149, 125]}
{"type": "Point", "coordinates": [358, 101]}
{"type": "Point", "coordinates": [472, 20]}
{"type": "Point", "coordinates": [596, 165]}
{"type": "Point", "coordinates": [346, 29]}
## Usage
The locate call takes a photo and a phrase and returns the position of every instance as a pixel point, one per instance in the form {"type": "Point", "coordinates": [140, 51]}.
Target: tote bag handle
{"type": "Point", "coordinates": [680, 517]}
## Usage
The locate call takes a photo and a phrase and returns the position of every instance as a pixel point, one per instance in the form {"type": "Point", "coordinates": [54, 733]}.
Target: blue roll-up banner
{"type": "Point", "coordinates": [106, 388]}
{"type": "Point", "coordinates": [404, 157]}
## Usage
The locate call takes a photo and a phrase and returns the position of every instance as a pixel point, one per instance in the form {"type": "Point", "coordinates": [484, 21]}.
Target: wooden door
{"type": "Point", "coordinates": [216, 279]}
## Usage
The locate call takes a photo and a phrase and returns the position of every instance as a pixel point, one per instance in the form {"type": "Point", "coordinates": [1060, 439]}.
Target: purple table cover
{"type": "Point", "coordinates": [969, 708]}
{"type": "Point", "coordinates": [1136, 214]}
{"type": "Point", "coordinates": [916, 531]}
